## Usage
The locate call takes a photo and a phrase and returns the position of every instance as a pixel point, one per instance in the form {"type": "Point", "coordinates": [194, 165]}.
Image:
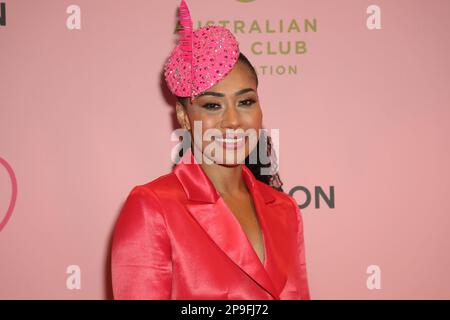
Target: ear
{"type": "Point", "coordinates": [182, 116]}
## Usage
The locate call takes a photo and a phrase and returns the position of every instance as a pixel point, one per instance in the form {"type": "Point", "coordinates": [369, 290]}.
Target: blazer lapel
{"type": "Point", "coordinates": [213, 215]}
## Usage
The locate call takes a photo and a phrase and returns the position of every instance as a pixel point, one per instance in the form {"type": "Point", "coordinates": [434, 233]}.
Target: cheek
{"type": "Point", "coordinates": [206, 122]}
{"type": "Point", "coordinates": [253, 119]}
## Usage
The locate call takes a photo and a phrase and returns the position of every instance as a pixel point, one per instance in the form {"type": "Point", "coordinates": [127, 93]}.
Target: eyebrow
{"type": "Point", "coordinates": [218, 94]}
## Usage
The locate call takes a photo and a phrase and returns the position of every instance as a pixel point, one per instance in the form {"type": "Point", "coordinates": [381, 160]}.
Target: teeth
{"type": "Point", "coordinates": [227, 140]}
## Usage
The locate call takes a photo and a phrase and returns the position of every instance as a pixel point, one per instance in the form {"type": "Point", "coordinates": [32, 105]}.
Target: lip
{"type": "Point", "coordinates": [231, 142]}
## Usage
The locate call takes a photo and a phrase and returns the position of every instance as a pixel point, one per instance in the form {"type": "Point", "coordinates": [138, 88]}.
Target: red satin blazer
{"type": "Point", "coordinates": [176, 238]}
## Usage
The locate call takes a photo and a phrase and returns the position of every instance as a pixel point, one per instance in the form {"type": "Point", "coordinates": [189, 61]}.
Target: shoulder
{"type": "Point", "coordinates": [279, 196]}
{"type": "Point", "coordinates": [161, 189]}
{"type": "Point", "coordinates": [145, 202]}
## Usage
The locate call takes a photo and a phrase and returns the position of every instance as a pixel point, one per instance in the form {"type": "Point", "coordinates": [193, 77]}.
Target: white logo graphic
{"type": "Point", "coordinates": [374, 280]}
{"type": "Point", "coordinates": [74, 279]}
{"type": "Point", "coordinates": [374, 20]}
{"type": "Point", "coordinates": [74, 20]}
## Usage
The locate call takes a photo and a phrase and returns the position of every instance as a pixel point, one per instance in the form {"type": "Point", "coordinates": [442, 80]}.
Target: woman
{"type": "Point", "coordinates": [215, 227]}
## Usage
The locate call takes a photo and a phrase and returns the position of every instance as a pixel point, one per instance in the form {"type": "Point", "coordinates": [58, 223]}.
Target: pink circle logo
{"type": "Point", "coordinates": [12, 201]}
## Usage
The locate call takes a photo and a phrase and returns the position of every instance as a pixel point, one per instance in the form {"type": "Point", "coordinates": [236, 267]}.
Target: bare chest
{"type": "Point", "coordinates": [245, 212]}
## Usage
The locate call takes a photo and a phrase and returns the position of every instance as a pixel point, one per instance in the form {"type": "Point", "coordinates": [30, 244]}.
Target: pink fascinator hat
{"type": "Point", "coordinates": [201, 58]}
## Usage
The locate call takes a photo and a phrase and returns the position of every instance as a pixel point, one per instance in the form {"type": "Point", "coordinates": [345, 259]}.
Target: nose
{"type": "Point", "coordinates": [231, 118]}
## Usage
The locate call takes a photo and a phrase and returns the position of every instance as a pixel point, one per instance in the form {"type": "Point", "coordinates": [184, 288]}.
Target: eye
{"type": "Point", "coordinates": [247, 102]}
{"type": "Point", "coordinates": [211, 106]}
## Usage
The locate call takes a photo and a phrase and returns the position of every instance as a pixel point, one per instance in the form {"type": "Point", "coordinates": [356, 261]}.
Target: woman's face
{"type": "Point", "coordinates": [225, 120]}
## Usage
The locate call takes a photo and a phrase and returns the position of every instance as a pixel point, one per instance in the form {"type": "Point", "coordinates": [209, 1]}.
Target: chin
{"type": "Point", "coordinates": [231, 157]}
{"type": "Point", "coordinates": [232, 162]}
{"type": "Point", "coordinates": [227, 160]}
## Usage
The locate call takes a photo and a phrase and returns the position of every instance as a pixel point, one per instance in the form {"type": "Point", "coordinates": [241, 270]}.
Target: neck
{"type": "Point", "coordinates": [227, 179]}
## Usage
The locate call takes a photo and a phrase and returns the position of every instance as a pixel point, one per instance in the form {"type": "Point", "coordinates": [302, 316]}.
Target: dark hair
{"type": "Point", "coordinates": [264, 145]}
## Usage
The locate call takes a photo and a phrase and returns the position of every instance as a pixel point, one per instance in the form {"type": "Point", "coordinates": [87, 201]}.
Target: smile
{"type": "Point", "coordinates": [231, 143]}
{"type": "Point", "coordinates": [229, 140]}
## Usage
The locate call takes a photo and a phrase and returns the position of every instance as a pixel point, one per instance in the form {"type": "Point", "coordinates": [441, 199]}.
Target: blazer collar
{"type": "Point", "coordinates": [198, 186]}
{"type": "Point", "coordinates": [209, 209]}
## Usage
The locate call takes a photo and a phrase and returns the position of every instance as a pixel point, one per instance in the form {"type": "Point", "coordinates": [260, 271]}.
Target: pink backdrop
{"type": "Point", "coordinates": [84, 119]}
